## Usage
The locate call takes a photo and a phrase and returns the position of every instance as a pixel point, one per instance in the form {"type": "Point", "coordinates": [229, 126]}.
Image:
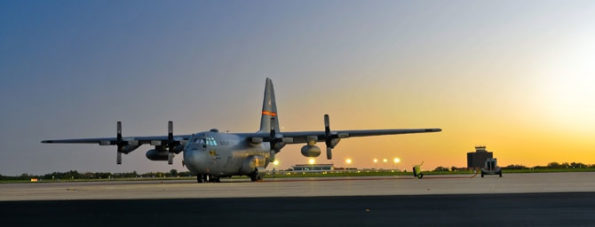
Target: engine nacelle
{"type": "Point", "coordinates": [311, 151]}
{"type": "Point", "coordinates": [129, 148]}
{"type": "Point", "coordinates": [157, 155]}
{"type": "Point", "coordinates": [334, 142]}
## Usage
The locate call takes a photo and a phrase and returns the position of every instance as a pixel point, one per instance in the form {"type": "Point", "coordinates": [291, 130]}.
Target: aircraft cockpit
{"type": "Point", "coordinates": [204, 141]}
{"type": "Point", "coordinates": [210, 141]}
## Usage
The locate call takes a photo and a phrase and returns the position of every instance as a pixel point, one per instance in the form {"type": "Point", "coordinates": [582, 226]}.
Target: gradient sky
{"type": "Point", "coordinates": [516, 76]}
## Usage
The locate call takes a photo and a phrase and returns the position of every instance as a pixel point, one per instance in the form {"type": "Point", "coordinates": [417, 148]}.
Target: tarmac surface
{"type": "Point", "coordinates": [516, 199]}
{"type": "Point", "coordinates": [303, 187]}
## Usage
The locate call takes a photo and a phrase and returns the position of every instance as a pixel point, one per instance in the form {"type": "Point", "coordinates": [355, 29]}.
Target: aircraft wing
{"type": "Point", "coordinates": [153, 140]}
{"type": "Point", "coordinates": [302, 137]}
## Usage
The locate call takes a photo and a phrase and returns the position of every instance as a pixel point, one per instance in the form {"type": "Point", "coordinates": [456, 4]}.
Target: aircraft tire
{"type": "Point", "coordinates": [500, 173]}
{"type": "Point", "coordinates": [199, 179]}
{"type": "Point", "coordinates": [256, 176]}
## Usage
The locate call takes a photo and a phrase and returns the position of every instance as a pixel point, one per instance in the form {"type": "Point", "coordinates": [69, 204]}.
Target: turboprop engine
{"type": "Point", "coordinates": [311, 151]}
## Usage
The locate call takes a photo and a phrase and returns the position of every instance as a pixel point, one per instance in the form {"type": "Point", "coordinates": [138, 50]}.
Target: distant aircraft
{"type": "Point", "coordinates": [211, 155]}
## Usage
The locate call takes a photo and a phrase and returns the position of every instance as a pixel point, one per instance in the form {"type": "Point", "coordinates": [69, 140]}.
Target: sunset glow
{"type": "Point", "coordinates": [515, 76]}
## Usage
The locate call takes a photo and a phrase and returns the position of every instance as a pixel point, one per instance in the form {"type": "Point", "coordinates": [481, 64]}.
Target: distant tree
{"type": "Point", "coordinates": [554, 165]}
{"type": "Point", "coordinates": [102, 175]}
{"type": "Point", "coordinates": [577, 165]}
{"type": "Point", "coordinates": [441, 169]}
{"type": "Point", "coordinates": [72, 174]}
{"type": "Point", "coordinates": [515, 167]}
{"type": "Point", "coordinates": [565, 165]}
{"type": "Point", "coordinates": [125, 175]}
{"type": "Point", "coordinates": [149, 174]}
{"type": "Point", "coordinates": [173, 172]}
{"type": "Point", "coordinates": [185, 174]}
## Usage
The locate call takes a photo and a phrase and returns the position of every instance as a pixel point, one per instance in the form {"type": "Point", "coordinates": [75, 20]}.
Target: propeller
{"type": "Point", "coordinates": [124, 146]}
{"type": "Point", "coordinates": [276, 140]}
{"type": "Point", "coordinates": [331, 139]}
{"type": "Point", "coordinates": [120, 143]}
{"type": "Point", "coordinates": [171, 143]}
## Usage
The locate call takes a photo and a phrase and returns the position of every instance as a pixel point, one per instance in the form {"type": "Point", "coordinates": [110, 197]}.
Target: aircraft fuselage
{"type": "Point", "coordinates": [224, 154]}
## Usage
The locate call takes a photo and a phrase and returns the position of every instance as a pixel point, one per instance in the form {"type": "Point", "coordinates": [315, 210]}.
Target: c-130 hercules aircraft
{"type": "Point", "coordinates": [211, 155]}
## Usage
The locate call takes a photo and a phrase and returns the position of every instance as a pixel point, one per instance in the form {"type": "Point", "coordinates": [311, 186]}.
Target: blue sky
{"type": "Point", "coordinates": [72, 68]}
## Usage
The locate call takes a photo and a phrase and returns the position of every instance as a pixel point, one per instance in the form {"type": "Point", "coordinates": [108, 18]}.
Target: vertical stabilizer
{"type": "Point", "coordinates": [269, 109]}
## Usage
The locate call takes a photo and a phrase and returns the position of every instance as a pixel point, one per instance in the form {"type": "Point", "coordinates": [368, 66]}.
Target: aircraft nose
{"type": "Point", "coordinates": [194, 160]}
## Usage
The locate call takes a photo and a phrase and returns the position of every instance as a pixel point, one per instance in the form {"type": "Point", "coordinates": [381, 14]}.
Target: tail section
{"type": "Point", "coordinates": [269, 109]}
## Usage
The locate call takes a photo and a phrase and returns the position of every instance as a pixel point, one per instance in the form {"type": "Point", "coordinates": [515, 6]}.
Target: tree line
{"type": "Point", "coordinates": [551, 165]}
{"type": "Point", "coordinates": [73, 174]}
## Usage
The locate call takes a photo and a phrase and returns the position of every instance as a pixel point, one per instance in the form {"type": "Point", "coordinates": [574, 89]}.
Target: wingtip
{"type": "Point", "coordinates": [46, 141]}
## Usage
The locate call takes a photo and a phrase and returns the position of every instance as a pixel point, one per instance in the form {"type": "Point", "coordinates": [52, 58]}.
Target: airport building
{"type": "Point", "coordinates": [312, 167]}
{"type": "Point", "coordinates": [476, 160]}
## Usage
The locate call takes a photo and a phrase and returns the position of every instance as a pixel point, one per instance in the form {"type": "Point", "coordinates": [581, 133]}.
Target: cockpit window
{"type": "Point", "coordinates": [210, 141]}
{"type": "Point", "coordinates": [206, 141]}
{"type": "Point", "coordinates": [199, 140]}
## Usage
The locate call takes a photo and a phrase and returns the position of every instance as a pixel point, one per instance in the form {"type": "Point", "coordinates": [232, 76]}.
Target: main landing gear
{"type": "Point", "coordinates": [203, 178]}
{"type": "Point", "coordinates": [256, 176]}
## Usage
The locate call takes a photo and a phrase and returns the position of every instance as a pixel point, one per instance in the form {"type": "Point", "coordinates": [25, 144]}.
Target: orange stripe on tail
{"type": "Point", "coordinates": [269, 113]}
